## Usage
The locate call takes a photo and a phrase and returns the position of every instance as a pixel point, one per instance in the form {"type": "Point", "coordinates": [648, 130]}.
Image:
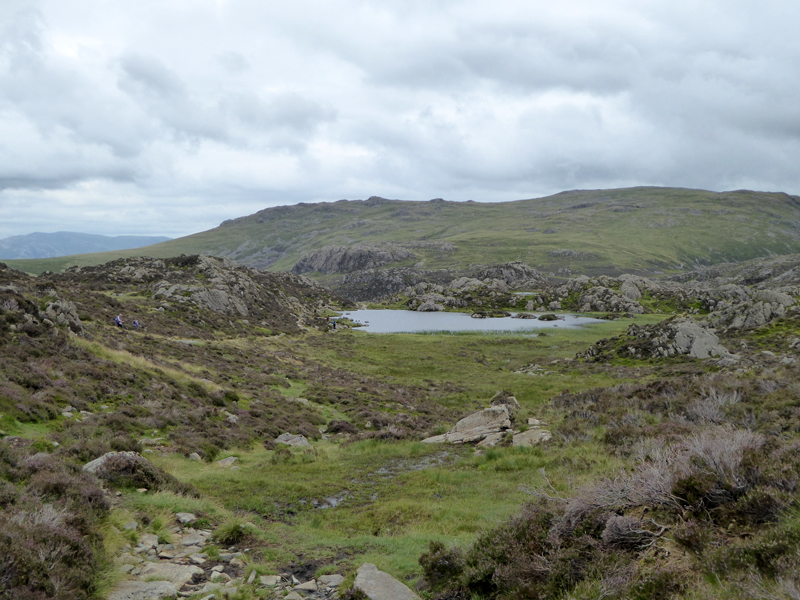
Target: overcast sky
{"type": "Point", "coordinates": [166, 117]}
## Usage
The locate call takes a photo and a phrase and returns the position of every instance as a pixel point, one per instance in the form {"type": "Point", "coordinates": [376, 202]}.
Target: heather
{"type": "Point", "coordinates": [664, 477]}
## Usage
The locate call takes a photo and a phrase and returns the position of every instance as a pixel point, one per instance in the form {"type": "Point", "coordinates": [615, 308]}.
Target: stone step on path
{"type": "Point", "coordinates": [159, 571]}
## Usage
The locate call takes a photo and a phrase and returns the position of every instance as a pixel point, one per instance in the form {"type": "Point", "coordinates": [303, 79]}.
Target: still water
{"type": "Point", "coordinates": [409, 321]}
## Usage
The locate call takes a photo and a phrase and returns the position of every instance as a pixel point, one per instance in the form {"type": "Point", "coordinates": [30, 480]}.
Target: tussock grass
{"type": "Point", "coordinates": [141, 363]}
{"type": "Point", "coordinates": [401, 497]}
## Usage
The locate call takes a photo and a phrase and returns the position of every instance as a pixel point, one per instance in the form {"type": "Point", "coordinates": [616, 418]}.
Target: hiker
{"type": "Point", "coordinates": [136, 324]}
{"type": "Point", "coordinates": [118, 321]}
{"type": "Point", "coordinates": [334, 323]}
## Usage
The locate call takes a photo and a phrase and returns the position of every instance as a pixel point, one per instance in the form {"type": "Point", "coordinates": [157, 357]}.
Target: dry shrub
{"type": "Point", "coordinates": [85, 450]}
{"type": "Point", "coordinates": [341, 427]}
{"type": "Point", "coordinates": [720, 453]}
{"type": "Point", "coordinates": [512, 558]}
{"type": "Point", "coordinates": [80, 490]}
{"type": "Point", "coordinates": [441, 566]}
{"type": "Point", "coordinates": [130, 470]}
{"type": "Point", "coordinates": [630, 532]}
{"type": "Point", "coordinates": [658, 583]}
{"type": "Point", "coordinates": [40, 555]}
{"type": "Point", "coordinates": [715, 474]}
{"type": "Point", "coordinates": [693, 535]}
{"type": "Point", "coordinates": [8, 494]}
{"type": "Point", "coordinates": [711, 406]}
{"type": "Point", "coordinates": [9, 461]}
{"type": "Point", "coordinates": [649, 485]}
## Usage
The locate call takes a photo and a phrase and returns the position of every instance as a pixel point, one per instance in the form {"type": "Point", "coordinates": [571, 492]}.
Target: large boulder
{"type": "Point", "coordinates": [378, 585]}
{"type": "Point", "coordinates": [476, 427]}
{"type": "Point", "coordinates": [673, 337]}
{"type": "Point", "coordinates": [695, 340]}
{"type": "Point", "coordinates": [290, 439]}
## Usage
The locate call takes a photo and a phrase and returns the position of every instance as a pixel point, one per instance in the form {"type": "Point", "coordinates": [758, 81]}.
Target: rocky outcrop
{"type": "Point", "coordinates": [515, 274]}
{"type": "Point", "coordinates": [680, 336]}
{"type": "Point", "coordinates": [192, 284]}
{"type": "Point", "coordinates": [761, 308]}
{"type": "Point", "coordinates": [488, 287]}
{"type": "Point", "coordinates": [376, 284]}
{"type": "Point", "coordinates": [346, 259]}
{"type": "Point", "coordinates": [57, 313]}
{"type": "Point", "coordinates": [132, 470]}
{"type": "Point", "coordinates": [478, 281]}
{"type": "Point", "coordinates": [583, 294]}
{"type": "Point", "coordinates": [490, 426]}
{"type": "Point", "coordinates": [113, 461]}
{"type": "Point", "coordinates": [65, 314]}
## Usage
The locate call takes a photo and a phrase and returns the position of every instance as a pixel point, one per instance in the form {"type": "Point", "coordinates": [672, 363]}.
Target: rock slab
{"type": "Point", "coordinates": [178, 575]}
{"type": "Point", "coordinates": [296, 441]}
{"type": "Point", "coordinates": [144, 590]}
{"type": "Point", "coordinates": [378, 585]}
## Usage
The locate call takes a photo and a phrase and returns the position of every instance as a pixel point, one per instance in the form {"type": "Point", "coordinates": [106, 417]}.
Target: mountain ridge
{"type": "Point", "coordinates": [649, 230]}
{"type": "Point", "coordinates": [66, 243]}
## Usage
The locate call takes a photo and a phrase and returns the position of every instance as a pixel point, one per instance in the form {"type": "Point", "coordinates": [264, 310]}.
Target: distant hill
{"type": "Point", "coordinates": [646, 230]}
{"type": "Point", "coordinates": [65, 243]}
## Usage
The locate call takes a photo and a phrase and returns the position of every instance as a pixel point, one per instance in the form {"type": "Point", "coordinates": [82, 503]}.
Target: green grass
{"type": "Point", "coordinates": [477, 363]}
{"type": "Point", "coordinates": [396, 508]}
{"type": "Point", "coordinates": [397, 496]}
{"type": "Point", "coordinates": [393, 508]}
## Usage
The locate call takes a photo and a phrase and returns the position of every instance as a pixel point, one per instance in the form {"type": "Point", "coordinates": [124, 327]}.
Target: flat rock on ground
{"type": "Point", "coordinates": [378, 585]}
{"type": "Point", "coordinates": [179, 575]}
{"type": "Point", "coordinates": [297, 441]}
{"type": "Point", "coordinates": [144, 590]}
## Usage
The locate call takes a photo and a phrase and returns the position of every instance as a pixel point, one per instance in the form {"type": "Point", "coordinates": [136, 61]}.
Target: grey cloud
{"type": "Point", "coordinates": [285, 120]}
{"type": "Point", "coordinates": [54, 97]}
{"type": "Point", "coordinates": [147, 75]}
{"type": "Point", "coordinates": [248, 103]}
{"type": "Point", "coordinates": [233, 62]}
{"type": "Point", "coordinates": [163, 97]}
{"type": "Point", "coordinates": [288, 110]}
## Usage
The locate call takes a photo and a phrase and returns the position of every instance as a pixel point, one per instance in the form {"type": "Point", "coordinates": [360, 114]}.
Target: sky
{"type": "Point", "coordinates": [167, 117]}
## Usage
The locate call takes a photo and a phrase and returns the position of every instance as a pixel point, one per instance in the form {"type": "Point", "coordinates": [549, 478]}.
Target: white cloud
{"type": "Point", "coordinates": [169, 116]}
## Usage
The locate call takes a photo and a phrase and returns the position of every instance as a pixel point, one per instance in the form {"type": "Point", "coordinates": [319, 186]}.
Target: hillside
{"type": "Point", "coordinates": [249, 449]}
{"type": "Point", "coordinates": [65, 243]}
{"type": "Point", "coordinates": [645, 230]}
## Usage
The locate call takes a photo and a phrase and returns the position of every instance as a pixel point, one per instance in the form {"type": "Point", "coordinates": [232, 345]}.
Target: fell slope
{"type": "Point", "coordinates": [594, 232]}
{"type": "Point", "coordinates": [63, 243]}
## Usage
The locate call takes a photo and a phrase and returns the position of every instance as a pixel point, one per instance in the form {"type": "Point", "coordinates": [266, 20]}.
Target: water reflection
{"type": "Point", "coordinates": [408, 321]}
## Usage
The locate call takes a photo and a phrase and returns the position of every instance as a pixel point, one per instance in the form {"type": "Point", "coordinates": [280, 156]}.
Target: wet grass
{"type": "Point", "coordinates": [396, 497]}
